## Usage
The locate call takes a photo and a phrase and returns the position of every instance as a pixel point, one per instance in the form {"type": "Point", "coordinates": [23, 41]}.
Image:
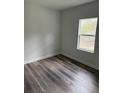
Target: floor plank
{"type": "Point", "coordinates": [58, 75]}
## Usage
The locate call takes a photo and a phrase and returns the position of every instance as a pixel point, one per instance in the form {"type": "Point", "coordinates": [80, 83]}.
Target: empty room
{"type": "Point", "coordinates": [61, 46]}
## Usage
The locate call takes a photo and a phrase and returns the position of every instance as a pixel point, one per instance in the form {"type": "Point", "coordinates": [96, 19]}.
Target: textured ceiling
{"type": "Point", "coordinates": [59, 4]}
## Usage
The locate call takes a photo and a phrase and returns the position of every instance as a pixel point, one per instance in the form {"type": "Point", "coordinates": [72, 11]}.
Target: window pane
{"type": "Point", "coordinates": [87, 43]}
{"type": "Point", "coordinates": [88, 26]}
{"type": "Point", "coordinates": [87, 33]}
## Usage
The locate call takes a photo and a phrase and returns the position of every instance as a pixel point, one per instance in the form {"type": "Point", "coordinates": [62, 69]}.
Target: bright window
{"type": "Point", "coordinates": [87, 34]}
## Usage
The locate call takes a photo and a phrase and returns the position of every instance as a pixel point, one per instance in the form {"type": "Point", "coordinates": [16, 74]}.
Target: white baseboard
{"type": "Point", "coordinates": [85, 63]}
{"type": "Point", "coordinates": [47, 56]}
{"type": "Point", "coordinates": [39, 58]}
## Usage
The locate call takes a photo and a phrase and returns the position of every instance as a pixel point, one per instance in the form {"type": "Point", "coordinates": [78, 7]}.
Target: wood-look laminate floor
{"type": "Point", "coordinates": [54, 75]}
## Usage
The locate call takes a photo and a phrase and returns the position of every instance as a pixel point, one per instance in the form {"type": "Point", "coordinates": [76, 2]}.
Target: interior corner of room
{"type": "Point", "coordinates": [50, 31]}
{"type": "Point", "coordinates": [61, 46]}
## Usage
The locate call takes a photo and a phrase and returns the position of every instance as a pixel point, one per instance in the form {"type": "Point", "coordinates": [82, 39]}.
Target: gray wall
{"type": "Point", "coordinates": [49, 32]}
{"type": "Point", "coordinates": [41, 31]}
{"type": "Point", "coordinates": [70, 19]}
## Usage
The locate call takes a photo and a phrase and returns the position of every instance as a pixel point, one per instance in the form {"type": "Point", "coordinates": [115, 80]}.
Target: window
{"type": "Point", "coordinates": [86, 34]}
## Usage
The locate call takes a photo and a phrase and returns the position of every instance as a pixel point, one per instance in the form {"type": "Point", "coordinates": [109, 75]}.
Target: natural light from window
{"type": "Point", "coordinates": [87, 34]}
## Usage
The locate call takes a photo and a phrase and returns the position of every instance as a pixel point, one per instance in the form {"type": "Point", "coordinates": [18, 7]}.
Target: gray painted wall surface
{"type": "Point", "coordinates": [70, 19]}
{"type": "Point", "coordinates": [49, 32]}
{"type": "Point", "coordinates": [41, 31]}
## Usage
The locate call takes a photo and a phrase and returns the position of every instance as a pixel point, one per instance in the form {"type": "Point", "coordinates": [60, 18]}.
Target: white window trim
{"type": "Point", "coordinates": [78, 40]}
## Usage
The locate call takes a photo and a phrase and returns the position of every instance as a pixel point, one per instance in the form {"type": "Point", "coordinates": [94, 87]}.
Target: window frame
{"type": "Point", "coordinates": [78, 40]}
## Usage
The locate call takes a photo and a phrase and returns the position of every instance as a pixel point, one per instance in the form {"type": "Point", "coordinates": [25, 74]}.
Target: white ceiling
{"type": "Point", "coordinates": [60, 4]}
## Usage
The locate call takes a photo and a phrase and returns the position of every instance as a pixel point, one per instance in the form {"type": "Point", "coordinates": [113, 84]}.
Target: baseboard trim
{"type": "Point", "coordinates": [40, 58]}
{"type": "Point", "coordinates": [44, 57]}
{"type": "Point", "coordinates": [83, 62]}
